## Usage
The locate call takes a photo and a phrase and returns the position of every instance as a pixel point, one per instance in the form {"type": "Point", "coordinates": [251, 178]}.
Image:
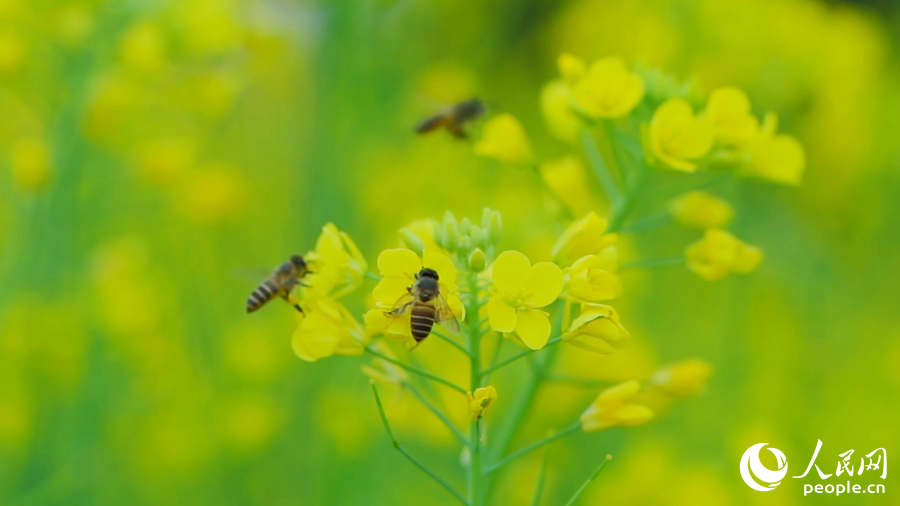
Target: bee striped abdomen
{"type": "Point", "coordinates": [263, 293]}
{"type": "Point", "coordinates": [421, 320]}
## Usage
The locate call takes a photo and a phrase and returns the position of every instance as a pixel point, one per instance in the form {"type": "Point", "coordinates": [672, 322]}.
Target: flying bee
{"type": "Point", "coordinates": [279, 284]}
{"type": "Point", "coordinates": [426, 306]}
{"type": "Point", "coordinates": [454, 118]}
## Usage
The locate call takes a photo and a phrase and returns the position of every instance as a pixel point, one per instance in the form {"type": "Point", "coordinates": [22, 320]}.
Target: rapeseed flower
{"type": "Point", "coordinates": [398, 268]}
{"type": "Point", "coordinates": [592, 278]}
{"type": "Point", "coordinates": [556, 105]}
{"type": "Point", "coordinates": [676, 137]}
{"type": "Point", "coordinates": [326, 328]}
{"type": "Point", "coordinates": [614, 406]}
{"type": "Point", "coordinates": [729, 115]}
{"type": "Point", "coordinates": [584, 236]}
{"type": "Point", "coordinates": [520, 289]}
{"type": "Point", "coordinates": [605, 89]}
{"type": "Point", "coordinates": [338, 265]}
{"type": "Point", "coordinates": [568, 179]}
{"type": "Point", "coordinates": [505, 139]}
{"type": "Point", "coordinates": [597, 328]}
{"type": "Point", "coordinates": [776, 157]}
{"type": "Point", "coordinates": [685, 377]}
{"type": "Point", "coordinates": [701, 210]}
{"type": "Point", "coordinates": [719, 253]}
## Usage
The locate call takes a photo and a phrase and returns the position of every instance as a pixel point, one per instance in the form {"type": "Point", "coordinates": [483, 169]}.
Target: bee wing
{"type": "Point", "coordinates": [252, 275]}
{"type": "Point", "coordinates": [401, 306]}
{"type": "Point", "coordinates": [444, 315]}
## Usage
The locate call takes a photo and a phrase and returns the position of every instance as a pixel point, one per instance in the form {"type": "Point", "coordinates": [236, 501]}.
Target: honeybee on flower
{"type": "Point", "coordinates": [414, 293]}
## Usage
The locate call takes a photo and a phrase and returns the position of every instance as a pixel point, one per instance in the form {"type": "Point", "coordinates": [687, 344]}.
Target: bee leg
{"type": "Point", "coordinates": [399, 310]}
{"type": "Point", "coordinates": [293, 302]}
{"type": "Point", "coordinates": [457, 131]}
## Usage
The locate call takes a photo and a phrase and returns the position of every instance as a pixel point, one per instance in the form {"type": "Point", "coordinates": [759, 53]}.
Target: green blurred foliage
{"type": "Point", "coordinates": [154, 153]}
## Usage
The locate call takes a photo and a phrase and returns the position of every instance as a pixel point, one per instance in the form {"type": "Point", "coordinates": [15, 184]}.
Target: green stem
{"type": "Point", "coordinates": [415, 461]}
{"type": "Point", "coordinates": [476, 482]}
{"type": "Point", "coordinates": [539, 486]}
{"type": "Point", "coordinates": [651, 263]}
{"type": "Point", "coordinates": [533, 446]}
{"type": "Point", "coordinates": [591, 478]}
{"type": "Point", "coordinates": [416, 370]}
{"type": "Point", "coordinates": [601, 169]}
{"type": "Point", "coordinates": [438, 413]}
{"type": "Point", "coordinates": [519, 355]}
{"type": "Point", "coordinates": [449, 340]}
{"type": "Point", "coordinates": [614, 147]}
{"type": "Point", "coordinates": [372, 275]}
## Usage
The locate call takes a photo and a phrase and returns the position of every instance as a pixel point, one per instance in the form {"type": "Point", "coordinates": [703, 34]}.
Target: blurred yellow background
{"type": "Point", "coordinates": [152, 153]}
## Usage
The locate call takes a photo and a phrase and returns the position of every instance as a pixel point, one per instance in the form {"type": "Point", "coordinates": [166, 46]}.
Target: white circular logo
{"type": "Point", "coordinates": [756, 475]}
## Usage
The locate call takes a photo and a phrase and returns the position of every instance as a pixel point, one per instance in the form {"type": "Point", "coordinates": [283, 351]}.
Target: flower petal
{"type": "Point", "coordinates": [509, 271]}
{"type": "Point", "coordinates": [543, 284]}
{"type": "Point", "coordinates": [533, 328]}
{"type": "Point", "coordinates": [398, 262]}
{"type": "Point", "coordinates": [502, 316]}
{"type": "Point", "coordinates": [389, 290]}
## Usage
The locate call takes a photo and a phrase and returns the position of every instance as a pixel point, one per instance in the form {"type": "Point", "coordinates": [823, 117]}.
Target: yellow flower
{"type": "Point", "coordinates": [505, 139]}
{"type": "Point", "coordinates": [686, 377]}
{"type": "Point", "coordinates": [213, 193]}
{"type": "Point", "coordinates": [719, 253]}
{"type": "Point", "coordinates": [585, 236]}
{"type": "Point", "coordinates": [163, 161]}
{"type": "Point", "coordinates": [398, 268]}
{"type": "Point", "coordinates": [519, 290]}
{"type": "Point", "coordinates": [592, 278]}
{"type": "Point", "coordinates": [729, 115]}
{"type": "Point", "coordinates": [338, 265]}
{"type": "Point", "coordinates": [607, 89]}
{"type": "Point", "coordinates": [597, 328]}
{"type": "Point", "coordinates": [571, 68]}
{"type": "Point", "coordinates": [613, 407]}
{"type": "Point", "coordinates": [676, 136]}
{"type": "Point", "coordinates": [701, 210]}
{"type": "Point", "coordinates": [480, 399]}
{"type": "Point", "coordinates": [326, 328]}
{"type": "Point", "coordinates": [30, 163]}
{"type": "Point", "coordinates": [143, 47]}
{"type": "Point", "coordinates": [778, 158]}
{"type": "Point", "coordinates": [556, 105]}
{"type": "Point", "coordinates": [567, 178]}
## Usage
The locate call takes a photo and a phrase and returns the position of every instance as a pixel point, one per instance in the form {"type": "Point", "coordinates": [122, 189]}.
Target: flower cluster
{"type": "Point", "coordinates": [450, 281]}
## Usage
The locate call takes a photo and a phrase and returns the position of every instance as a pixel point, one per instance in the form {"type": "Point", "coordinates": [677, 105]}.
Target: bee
{"type": "Point", "coordinates": [283, 279]}
{"type": "Point", "coordinates": [453, 119]}
{"type": "Point", "coordinates": [426, 306]}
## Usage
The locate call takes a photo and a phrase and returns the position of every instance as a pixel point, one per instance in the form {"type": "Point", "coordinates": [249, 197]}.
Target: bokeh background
{"type": "Point", "coordinates": [152, 153]}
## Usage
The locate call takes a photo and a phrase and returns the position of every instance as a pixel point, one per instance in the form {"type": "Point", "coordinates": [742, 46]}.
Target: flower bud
{"type": "Point", "coordinates": [465, 225]}
{"type": "Point", "coordinates": [451, 231]}
{"type": "Point", "coordinates": [492, 223]}
{"type": "Point", "coordinates": [686, 377]}
{"type": "Point", "coordinates": [412, 241]}
{"type": "Point", "coordinates": [480, 399]}
{"type": "Point", "coordinates": [477, 260]}
{"type": "Point", "coordinates": [613, 407]}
